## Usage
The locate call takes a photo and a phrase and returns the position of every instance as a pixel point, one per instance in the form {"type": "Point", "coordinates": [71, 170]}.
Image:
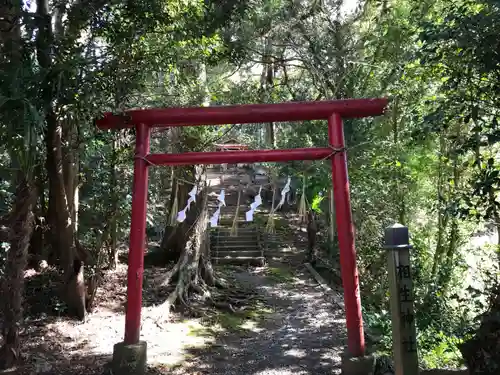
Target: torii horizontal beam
{"type": "Point", "coordinates": [243, 114]}
{"type": "Point", "coordinates": [233, 157]}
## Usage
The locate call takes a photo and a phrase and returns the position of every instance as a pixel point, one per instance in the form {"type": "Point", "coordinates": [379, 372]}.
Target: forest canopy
{"type": "Point", "coordinates": [430, 163]}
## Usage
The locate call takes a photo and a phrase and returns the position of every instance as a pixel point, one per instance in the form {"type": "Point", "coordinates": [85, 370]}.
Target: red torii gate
{"type": "Point", "coordinates": [333, 111]}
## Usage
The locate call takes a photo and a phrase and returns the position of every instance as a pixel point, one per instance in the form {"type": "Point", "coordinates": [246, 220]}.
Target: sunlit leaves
{"type": "Point", "coordinates": [459, 48]}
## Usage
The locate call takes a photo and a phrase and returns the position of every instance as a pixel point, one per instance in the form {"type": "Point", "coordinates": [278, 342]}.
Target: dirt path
{"type": "Point", "coordinates": [304, 333]}
{"type": "Point", "coordinates": [295, 330]}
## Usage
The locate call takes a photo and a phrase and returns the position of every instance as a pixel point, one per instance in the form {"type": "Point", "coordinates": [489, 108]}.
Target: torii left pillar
{"type": "Point", "coordinates": [130, 356]}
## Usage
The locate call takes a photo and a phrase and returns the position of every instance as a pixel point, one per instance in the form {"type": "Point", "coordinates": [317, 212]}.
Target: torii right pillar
{"type": "Point", "coordinates": [345, 230]}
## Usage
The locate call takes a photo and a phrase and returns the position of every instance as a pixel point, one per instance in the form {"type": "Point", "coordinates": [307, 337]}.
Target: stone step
{"type": "Point", "coordinates": [241, 232]}
{"type": "Point", "coordinates": [244, 229]}
{"type": "Point", "coordinates": [244, 237]}
{"type": "Point", "coordinates": [248, 227]}
{"type": "Point", "coordinates": [241, 224]}
{"type": "Point", "coordinates": [232, 209]}
{"type": "Point", "coordinates": [240, 246]}
{"type": "Point", "coordinates": [251, 250]}
{"type": "Point", "coordinates": [238, 237]}
{"type": "Point", "coordinates": [260, 261]}
{"type": "Point", "coordinates": [229, 215]}
{"type": "Point", "coordinates": [230, 190]}
{"type": "Point", "coordinates": [231, 212]}
{"type": "Point", "coordinates": [241, 213]}
{"type": "Point", "coordinates": [231, 206]}
{"type": "Point", "coordinates": [241, 217]}
{"type": "Point", "coordinates": [226, 222]}
{"type": "Point", "coordinates": [228, 184]}
{"type": "Point", "coordinates": [241, 253]}
{"type": "Point", "coordinates": [235, 240]}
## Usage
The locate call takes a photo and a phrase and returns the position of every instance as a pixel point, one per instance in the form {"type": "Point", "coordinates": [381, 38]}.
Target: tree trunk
{"type": "Point", "coordinates": [61, 183]}
{"type": "Point", "coordinates": [496, 217]}
{"type": "Point", "coordinates": [113, 251]}
{"type": "Point", "coordinates": [21, 228]}
{"type": "Point", "coordinates": [203, 82]}
{"type": "Point", "coordinates": [37, 248]}
{"type": "Point", "coordinates": [59, 213]}
{"type": "Point", "coordinates": [454, 235]}
{"type": "Point", "coordinates": [20, 220]}
{"type": "Point", "coordinates": [398, 186]}
{"type": "Point", "coordinates": [266, 87]}
{"type": "Point", "coordinates": [174, 237]}
{"type": "Point", "coordinates": [36, 252]}
{"type": "Point", "coordinates": [442, 216]}
{"type": "Point", "coordinates": [193, 271]}
{"type": "Point", "coordinates": [70, 170]}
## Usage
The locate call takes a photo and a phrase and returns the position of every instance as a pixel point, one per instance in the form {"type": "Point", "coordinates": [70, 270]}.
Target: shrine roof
{"type": "Point", "coordinates": [231, 145]}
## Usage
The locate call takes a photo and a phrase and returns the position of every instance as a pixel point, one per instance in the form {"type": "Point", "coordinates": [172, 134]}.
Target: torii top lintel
{"type": "Point", "coordinates": [241, 114]}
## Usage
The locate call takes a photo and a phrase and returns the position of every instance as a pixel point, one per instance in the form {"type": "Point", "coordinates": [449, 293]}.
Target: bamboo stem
{"type": "Point", "coordinates": [270, 220]}
{"type": "Point", "coordinates": [302, 204]}
{"type": "Point", "coordinates": [175, 207]}
{"type": "Point", "coordinates": [234, 228]}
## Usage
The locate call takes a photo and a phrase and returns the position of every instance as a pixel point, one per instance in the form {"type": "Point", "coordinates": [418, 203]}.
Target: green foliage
{"type": "Point", "coordinates": [316, 202]}
{"type": "Point", "coordinates": [440, 350]}
{"type": "Point", "coordinates": [430, 163]}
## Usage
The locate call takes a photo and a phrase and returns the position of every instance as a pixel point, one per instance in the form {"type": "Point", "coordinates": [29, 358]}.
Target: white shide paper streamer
{"type": "Point", "coordinates": [221, 198]}
{"type": "Point", "coordinates": [285, 190]}
{"type": "Point", "coordinates": [181, 215]}
{"type": "Point", "coordinates": [256, 203]}
{"type": "Point", "coordinates": [214, 220]}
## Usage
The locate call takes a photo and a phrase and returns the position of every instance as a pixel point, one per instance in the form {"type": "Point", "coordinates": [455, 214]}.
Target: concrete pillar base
{"type": "Point", "coordinates": [358, 365]}
{"type": "Point", "coordinates": [129, 359]}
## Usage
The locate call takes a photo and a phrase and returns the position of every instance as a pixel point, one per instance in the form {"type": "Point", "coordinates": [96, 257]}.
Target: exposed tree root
{"type": "Point", "coordinates": [197, 287]}
{"type": "Point", "coordinates": [193, 271]}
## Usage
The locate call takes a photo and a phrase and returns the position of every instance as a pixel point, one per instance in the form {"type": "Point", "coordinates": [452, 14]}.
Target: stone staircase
{"type": "Point", "coordinates": [243, 248]}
